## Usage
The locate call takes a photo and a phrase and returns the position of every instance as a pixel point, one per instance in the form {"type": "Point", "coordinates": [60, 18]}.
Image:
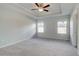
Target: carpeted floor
{"type": "Point", "coordinates": [40, 47]}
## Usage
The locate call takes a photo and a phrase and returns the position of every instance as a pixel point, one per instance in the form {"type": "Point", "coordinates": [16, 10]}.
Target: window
{"type": "Point", "coordinates": [62, 27]}
{"type": "Point", "coordinates": [40, 27]}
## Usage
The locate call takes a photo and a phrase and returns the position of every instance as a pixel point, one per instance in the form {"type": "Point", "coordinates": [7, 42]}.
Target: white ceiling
{"type": "Point", "coordinates": [54, 9]}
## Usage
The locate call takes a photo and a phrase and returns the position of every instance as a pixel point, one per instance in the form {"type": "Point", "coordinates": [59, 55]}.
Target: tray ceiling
{"type": "Point", "coordinates": [54, 9]}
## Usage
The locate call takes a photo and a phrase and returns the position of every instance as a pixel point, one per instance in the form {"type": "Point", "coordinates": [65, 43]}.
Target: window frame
{"type": "Point", "coordinates": [62, 27]}
{"type": "Point", "coordinates": [40, 27]}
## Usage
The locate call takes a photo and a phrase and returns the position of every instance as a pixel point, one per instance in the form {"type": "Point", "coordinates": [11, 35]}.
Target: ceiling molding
{"type": "Point", "coordinates": [56, 16]}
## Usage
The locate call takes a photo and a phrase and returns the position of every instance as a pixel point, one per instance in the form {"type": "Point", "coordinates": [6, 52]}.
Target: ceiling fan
{"type": "Point", "coordinates": [41, 7]}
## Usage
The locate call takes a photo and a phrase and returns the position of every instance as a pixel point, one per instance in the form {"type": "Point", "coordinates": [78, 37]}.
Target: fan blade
{"type": "Point", "coordinates": [46, 6]}
{"type": "Point", "coordinates": [37, 4]}
{"type": "Point", "coordinates": [41, 5]}
{"type": "Point", "coordinates": [34, 9]}
{"type": "Point", "coordinates": [45, 10]}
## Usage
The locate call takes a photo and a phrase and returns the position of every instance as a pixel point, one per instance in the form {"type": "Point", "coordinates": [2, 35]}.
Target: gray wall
{"type": "Point", "coordinates": [14, 26]}
{"type": "Point", "coordinates": [50, 27]}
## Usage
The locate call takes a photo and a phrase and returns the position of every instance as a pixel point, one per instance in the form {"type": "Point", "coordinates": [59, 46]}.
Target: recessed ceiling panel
{"type": "Point", "coordinates": [54, 8]}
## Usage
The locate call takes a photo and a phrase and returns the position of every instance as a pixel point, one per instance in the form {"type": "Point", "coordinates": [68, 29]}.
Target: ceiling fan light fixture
{"type": "Point", "coordinates": [40, 9]}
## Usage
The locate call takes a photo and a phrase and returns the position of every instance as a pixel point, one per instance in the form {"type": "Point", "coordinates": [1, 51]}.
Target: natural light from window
{"type": "Point", "coordinates": [40, 27]}
{"type": "Point", "coordinates": [62, 27]}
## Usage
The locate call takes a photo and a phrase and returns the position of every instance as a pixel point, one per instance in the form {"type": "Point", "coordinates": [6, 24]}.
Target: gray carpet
{"type": "Point", "coordinates": [40, 47]}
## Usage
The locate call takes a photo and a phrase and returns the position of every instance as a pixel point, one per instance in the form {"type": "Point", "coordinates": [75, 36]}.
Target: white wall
{"type": "Point", "coordinates": [73, 28]}
{"type": "Point", "coordinates": [78, 28]}
{"type": "Point", "coordinates": [14, 26]}
{"type": "Point", "coordinates": [50, 27]}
